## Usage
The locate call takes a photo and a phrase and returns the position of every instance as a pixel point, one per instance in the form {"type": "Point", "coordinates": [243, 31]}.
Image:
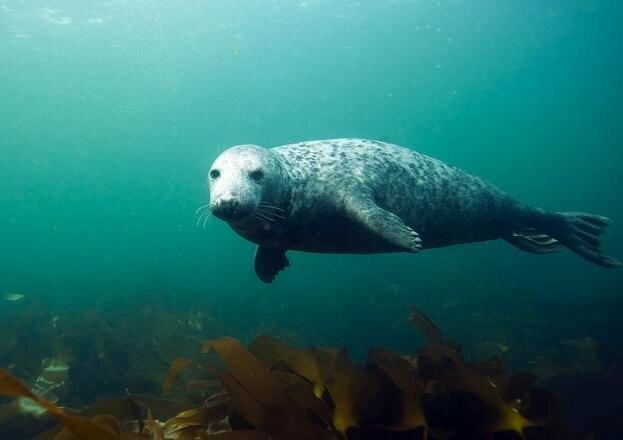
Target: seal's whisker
{"type": "Point", "coordinates": [268, 206]}
{"type": "Point", "coordinates": [204, 216]}
{"type": "Point", "coordinates": [208, 217]}
{"type": "Point", "coordinates": [260, 218]}
{"type": "Point", "coordinates": [277, 213]}
{"type": "Point", "coordinates": [202, 207]}
{"type": "Point", "coordinates": [266, 209]}
{"type": "Point", "coordinates": [272, 215]}
{"type": "Point", "coordinates": [263, 216]}
{"type": "Point", "coordinates": [200, 218]}
{"type": "Point", "coordinates": [272, 220]}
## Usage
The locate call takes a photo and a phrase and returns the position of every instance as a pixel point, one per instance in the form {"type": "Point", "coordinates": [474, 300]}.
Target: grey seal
{"type": "Point", "coordinates": [360, 197]}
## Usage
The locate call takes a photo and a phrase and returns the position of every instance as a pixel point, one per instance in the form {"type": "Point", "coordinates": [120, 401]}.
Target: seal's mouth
{"type": "Point", "coordinates": [229, 210]}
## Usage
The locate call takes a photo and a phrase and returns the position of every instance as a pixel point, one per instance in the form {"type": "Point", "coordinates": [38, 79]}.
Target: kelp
{"type": "Point", "coordinates": [274, 401]}
{"type": "Point", "coordinates": [411, 413]}
{"type": "Point", "coordinates": [174, 370]}
{"type": "Point", "coordinates": [431, 332]}
{"type": "Point", "coordinates": [302, 362]}
{"type": "Point", "coordinates": [75, 426]}
{"type": "Point", "coordinates": [271, 390]}
{"type": "Point", "coordinates": [120, 408]}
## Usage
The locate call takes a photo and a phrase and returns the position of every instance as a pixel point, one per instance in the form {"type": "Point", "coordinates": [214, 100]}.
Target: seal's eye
{"type": "Point", "coordinates": [256, 176]}
{"type": "Point", "coordinates": [214, 174]}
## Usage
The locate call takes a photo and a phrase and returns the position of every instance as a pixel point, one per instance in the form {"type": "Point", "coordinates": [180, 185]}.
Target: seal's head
{"type": "Point", "coordinates": [248, 183]}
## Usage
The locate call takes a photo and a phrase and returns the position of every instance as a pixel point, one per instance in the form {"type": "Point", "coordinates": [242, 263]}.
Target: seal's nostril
{"type": "Point", "coordinates": [227, 207]}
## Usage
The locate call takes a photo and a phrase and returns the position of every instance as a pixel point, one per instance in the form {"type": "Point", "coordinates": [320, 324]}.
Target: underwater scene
{"type": "Point", "coordinates": [166, 273]}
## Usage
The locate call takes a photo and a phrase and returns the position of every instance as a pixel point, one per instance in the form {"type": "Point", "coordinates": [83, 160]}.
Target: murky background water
{"type": "Point", "coordinates": [111, 113]}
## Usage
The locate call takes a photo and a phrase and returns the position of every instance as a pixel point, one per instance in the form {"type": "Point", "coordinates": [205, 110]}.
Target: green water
{"type": "Point", "coordinates": [111, 113]}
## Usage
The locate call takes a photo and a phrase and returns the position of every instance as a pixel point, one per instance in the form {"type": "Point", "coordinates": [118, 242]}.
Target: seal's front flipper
{"type": "Point", "coordinates": [269, 261]}
{"type": "Point", "coordinates": [383, 224]}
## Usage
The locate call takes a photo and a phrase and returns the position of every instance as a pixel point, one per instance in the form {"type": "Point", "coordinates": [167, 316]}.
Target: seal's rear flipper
{"type": "Point", "coordinates": [578, 231]}
{"type": "Point", "coordinates": [269, 261]}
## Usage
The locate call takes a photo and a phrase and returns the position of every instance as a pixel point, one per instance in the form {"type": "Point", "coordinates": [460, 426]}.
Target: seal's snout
{"type": "Point", "coordinates": [227, 208]}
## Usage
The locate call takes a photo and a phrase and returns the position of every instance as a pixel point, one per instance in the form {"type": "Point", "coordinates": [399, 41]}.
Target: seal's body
{"type": "Point", "coordinates": [359, 196]}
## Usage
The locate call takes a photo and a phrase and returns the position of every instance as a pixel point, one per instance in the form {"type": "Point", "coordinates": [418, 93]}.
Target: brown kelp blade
{"type": "Point", "coordinates": [400, 373]}
{"type": "Point", "coordinates": [119, 408]}
{"type": "Point", "coordinates": [302, 362]}
{"type": "Point", "coordinates": [245, 367]}
{"type": "Point", "coordinates": [351, 388]}
{"type": "Point", "coordinates": [105, 421]}
{"type": "Point", "coordinates": [174, 370]}
{"type": "Point", "coordinates": [243, 434]}
{"type": "Point", "coordinates": [155, 430]}
{"type": "Point", "coordinates": [204, 385]}
{"type": "Point", "coordinates": [200, 416]}
{"type": "Point", "coordinates": [501, 416]}
{"type": "Point", "coordinates": [276, 402]}
{"type": "Point", "coordinates": [83, 428]}
{"type": "Point", "coordinates": [10, 386]}
{"type": "Point", "coordinates": [431, 332]}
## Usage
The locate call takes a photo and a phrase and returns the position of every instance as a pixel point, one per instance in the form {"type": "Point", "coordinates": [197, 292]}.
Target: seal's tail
{"type": "Point", "coordinates": [578, 231]}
